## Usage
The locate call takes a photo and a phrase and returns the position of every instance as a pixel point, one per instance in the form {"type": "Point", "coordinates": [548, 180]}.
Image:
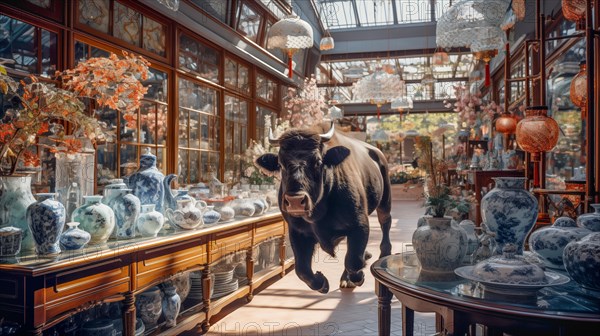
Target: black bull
{"type": "Point", "coordinates": [330, 183]}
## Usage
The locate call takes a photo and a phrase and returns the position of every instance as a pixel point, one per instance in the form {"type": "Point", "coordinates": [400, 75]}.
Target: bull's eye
{"type": "Point", "coordinates": [318, 163]}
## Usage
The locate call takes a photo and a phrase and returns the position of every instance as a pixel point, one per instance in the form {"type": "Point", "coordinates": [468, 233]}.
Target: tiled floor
{"type": "Point", "coordinates": [289, 307]}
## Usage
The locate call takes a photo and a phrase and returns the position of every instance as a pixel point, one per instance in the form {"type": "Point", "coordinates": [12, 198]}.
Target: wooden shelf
{"type": "Point", "coordinates": [39, 293]}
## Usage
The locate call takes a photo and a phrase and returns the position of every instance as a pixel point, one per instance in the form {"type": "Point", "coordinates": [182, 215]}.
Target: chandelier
{"type": "Point", "coordinates": [290, 34]}
{"type": "Point", "coordinates": [474, 24]}
{"type": "Point", "coordinates": [378, 88]}
{"type": "Point", "coordinates": [170, 4]}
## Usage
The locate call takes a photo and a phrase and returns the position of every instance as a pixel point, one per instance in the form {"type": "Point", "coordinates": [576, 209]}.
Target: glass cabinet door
{"type": "Point", "coordinates": [198, 131]}
{"type": "Point", "coordinates": [236, 134]}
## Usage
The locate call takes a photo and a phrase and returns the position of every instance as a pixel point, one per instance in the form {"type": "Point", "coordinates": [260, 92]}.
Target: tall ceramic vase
{"type": "Point", "coordinates": [440, 245]}
{"type": "Point", "coordinates": [15, 197]}
{"type": "Point", "coordinates": [127, 210]}
{"type": "Point", "coordinates": [96, 218]}
{"type": "Point", "coordinates": [510, 212]}
{"type": "Point", "coordinates": [147, 182]}
{"type": "Point", "coordinates": [46, 219]}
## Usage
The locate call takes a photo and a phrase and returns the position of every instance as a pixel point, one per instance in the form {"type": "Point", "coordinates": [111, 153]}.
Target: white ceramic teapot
{"type": "Point", "coordinates": [188, 215]}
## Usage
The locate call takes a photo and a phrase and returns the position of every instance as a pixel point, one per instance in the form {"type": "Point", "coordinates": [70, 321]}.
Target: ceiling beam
{"type": "Point", "coordinates": [365, 109]}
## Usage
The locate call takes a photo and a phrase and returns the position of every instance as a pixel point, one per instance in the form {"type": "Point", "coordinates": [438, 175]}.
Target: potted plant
{"type": "Point", "coordinates": [440, 244]}
{"type": "Point", "coordinates": [35, 106]}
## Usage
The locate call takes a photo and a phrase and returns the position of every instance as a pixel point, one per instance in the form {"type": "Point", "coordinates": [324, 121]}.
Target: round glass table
{"type": "Point", "coordinates": [459, 304]}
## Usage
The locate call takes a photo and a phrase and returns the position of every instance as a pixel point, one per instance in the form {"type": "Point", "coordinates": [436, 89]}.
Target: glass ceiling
{"type": "Point", "coordinates": [341, 14]}
{"type": "Point", "coordinates": [337, 77]}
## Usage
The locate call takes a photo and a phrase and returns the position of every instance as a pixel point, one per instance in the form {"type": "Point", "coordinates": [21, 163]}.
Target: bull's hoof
{"type": "Point", "coordinates": [357, 278]}
{"type": "Point", "coordinates": [324, 289]}
{"type": "Point", "coordinates": [368, 255]}
{"type": "Point", "coordinates": [347, 284]}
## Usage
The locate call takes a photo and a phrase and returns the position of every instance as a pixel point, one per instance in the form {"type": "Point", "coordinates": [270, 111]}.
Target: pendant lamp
{"type": "Point", "coordinates": [290, 34]}
{"type": "Point", "coordinates": [474, 24]}
{"type": "Point", "coordinates": [578, 89]}
{"type": "Point", "coordinates": [327, 42]}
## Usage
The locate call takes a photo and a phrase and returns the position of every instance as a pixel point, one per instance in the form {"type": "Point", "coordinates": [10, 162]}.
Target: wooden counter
{"type": "Point", "coordinates": [40, 292]}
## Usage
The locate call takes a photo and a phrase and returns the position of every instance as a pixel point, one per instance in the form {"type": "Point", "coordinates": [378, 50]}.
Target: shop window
{"type": "Point", "coordinates": [128, 24]}
{"type": "Point", "coordinates": [248, 22]}
{"type": "Point", "coordinates": [154, 36]}
{"type": "Point", "coordinates": [262, 115]}
{"type": "Point", "coordinates": [265, 88]}
{"type": "Point", "coordinates": [199, 142]}
{"type": "Point", "coordinates": [199, 58]}
{"type": "Point", "coordinates": [120, 157]}
{"type": "Point", "coordinates": [19, 42]}
{"type": "Point", "coordinates": [236, 135]}
{"type": "Point", "coordinates": [277, 52]}
{"type": "Point", "coordinates": [217, 9]}
{"type": "Point", "coordinates": [95, 14]}
{"type": "Point", "coordinates": [237, 76]}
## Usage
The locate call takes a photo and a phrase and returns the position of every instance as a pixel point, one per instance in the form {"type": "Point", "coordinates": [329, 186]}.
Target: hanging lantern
{"type": "Point", "coordinates": [537, 132]}
{"type": "Point", "coordinates": [327, 42]}
{"type": "Point", "coordinates": [506, 124]}
{"type": "Point", "coordinates": [486, 56]}
{"type": "Point", "coordinates": [290, 34]}
{"type": "Point", "coordinates": [574, 10]}
{"type": "Point", "coordinates": [578, 90]}
{"type": "Point", "coordinates": [378, 88]}
{"type": "Point", "coordinates": [440, 58]}
{"type": "Point", "coordinates": [474, 24]}
{"type": "Point", "coordinates": [428, 77]}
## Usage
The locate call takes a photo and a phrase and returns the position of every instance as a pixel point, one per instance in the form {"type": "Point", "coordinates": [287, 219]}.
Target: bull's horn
{"type": "Point", "coordinates": [327, 136]}
{"type": "Point", "coordinates": [272, 140]}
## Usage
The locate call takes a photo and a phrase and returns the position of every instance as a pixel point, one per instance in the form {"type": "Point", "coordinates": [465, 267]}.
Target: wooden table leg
{"type": "Point", "coordinates": [384, 311]}
{"type": "Point", "coordinates": [408, 321]}
{"type": "Point", "coordinates": [129, 318]}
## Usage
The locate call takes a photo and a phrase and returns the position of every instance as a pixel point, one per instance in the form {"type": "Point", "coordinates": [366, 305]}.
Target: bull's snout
{"type": "Point", "coordinates": [296, 204]}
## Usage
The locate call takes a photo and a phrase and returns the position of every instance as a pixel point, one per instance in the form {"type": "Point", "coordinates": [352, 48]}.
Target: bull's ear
{"type": "Point", "coordinates": [268, 162]}
{"type": "Point", "coordinates": [336, 155]}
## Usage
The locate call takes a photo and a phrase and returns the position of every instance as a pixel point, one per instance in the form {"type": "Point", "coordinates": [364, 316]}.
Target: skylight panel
{"type": "Point", "coordinates": [374, 13]}
{"type": "Point", "coordinates": [338, 13]}
{"type": "Point", "coordinates": [411, 11]}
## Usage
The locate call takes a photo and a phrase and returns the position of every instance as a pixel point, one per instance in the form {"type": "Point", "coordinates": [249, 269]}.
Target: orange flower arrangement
{"type": "Point", "coordinates": [109, 81]}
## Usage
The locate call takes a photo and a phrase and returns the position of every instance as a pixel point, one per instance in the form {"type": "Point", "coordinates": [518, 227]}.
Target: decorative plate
{"type": "Point", "coordinates": [552, 279]}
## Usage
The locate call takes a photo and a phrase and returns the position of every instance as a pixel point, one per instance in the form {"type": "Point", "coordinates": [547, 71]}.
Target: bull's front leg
{"type": "Point", "coordinates": [304, 247]}
{"type": "Point", "coordinates": [354, 262]}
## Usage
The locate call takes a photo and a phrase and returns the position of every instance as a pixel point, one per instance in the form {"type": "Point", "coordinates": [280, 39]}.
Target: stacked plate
{"type": "Point", "coordinates": [195, 286]}
{"type": "Point", "coordinates": [224, 284]}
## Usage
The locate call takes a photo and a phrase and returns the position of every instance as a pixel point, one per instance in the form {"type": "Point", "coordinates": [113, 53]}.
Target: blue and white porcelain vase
{"type": "Point", "coordinates": [15, 197]}
{"type": "Point", "coordinates": [126, 207]}
{"type": "Point", "coordinates": [510, 212]}
{"type": "Point", "coordinates": [210, 216]}
{"type": "Point", "coordinates": [46, 218]}
{"type": "Point", "coordinates": [440, 245]}
{"type": "Point", "coordinates": [243, 207]}
{"type": "Point", "coordinates": [10, 241]}
{"type": "Point", "coordinates": [74, 238]}
{"type": "Point", "coordinates": [171, 304]}
{"type": "Point", "coordinates": [147, 182]}
{"type": "Point", "coordinates": [549, 242]}
{"type": "Point", "coordinates": [95, 218]}
{"type": "Point", "coordinates": [150, 221]}
{"type": "Point", "coordinates": [590, 221]}
{"type": "Point", "coordinates": [148, 305]}
{"type": "Point", "coordinates": [582, 260]}
{"type": "Point", "coordinates": [109, 190]}
{"type": "Point", "coordinates": [223, 208]}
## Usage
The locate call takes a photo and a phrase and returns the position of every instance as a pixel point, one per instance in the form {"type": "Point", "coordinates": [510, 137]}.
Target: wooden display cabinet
{"type": "Point", "coordinates": [41, 292]}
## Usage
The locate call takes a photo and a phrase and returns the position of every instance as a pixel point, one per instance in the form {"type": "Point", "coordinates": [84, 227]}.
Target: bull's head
{"type": "Point", "coordinates": [303, 164]}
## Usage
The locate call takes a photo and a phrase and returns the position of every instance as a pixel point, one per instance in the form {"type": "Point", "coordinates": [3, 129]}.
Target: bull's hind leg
{"type": "Point", "coordinates": [355, 256]}
{"type": "Point", "coordinates": [304, 247]}
{"type": "Point", "coordinates": [385, 221]}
